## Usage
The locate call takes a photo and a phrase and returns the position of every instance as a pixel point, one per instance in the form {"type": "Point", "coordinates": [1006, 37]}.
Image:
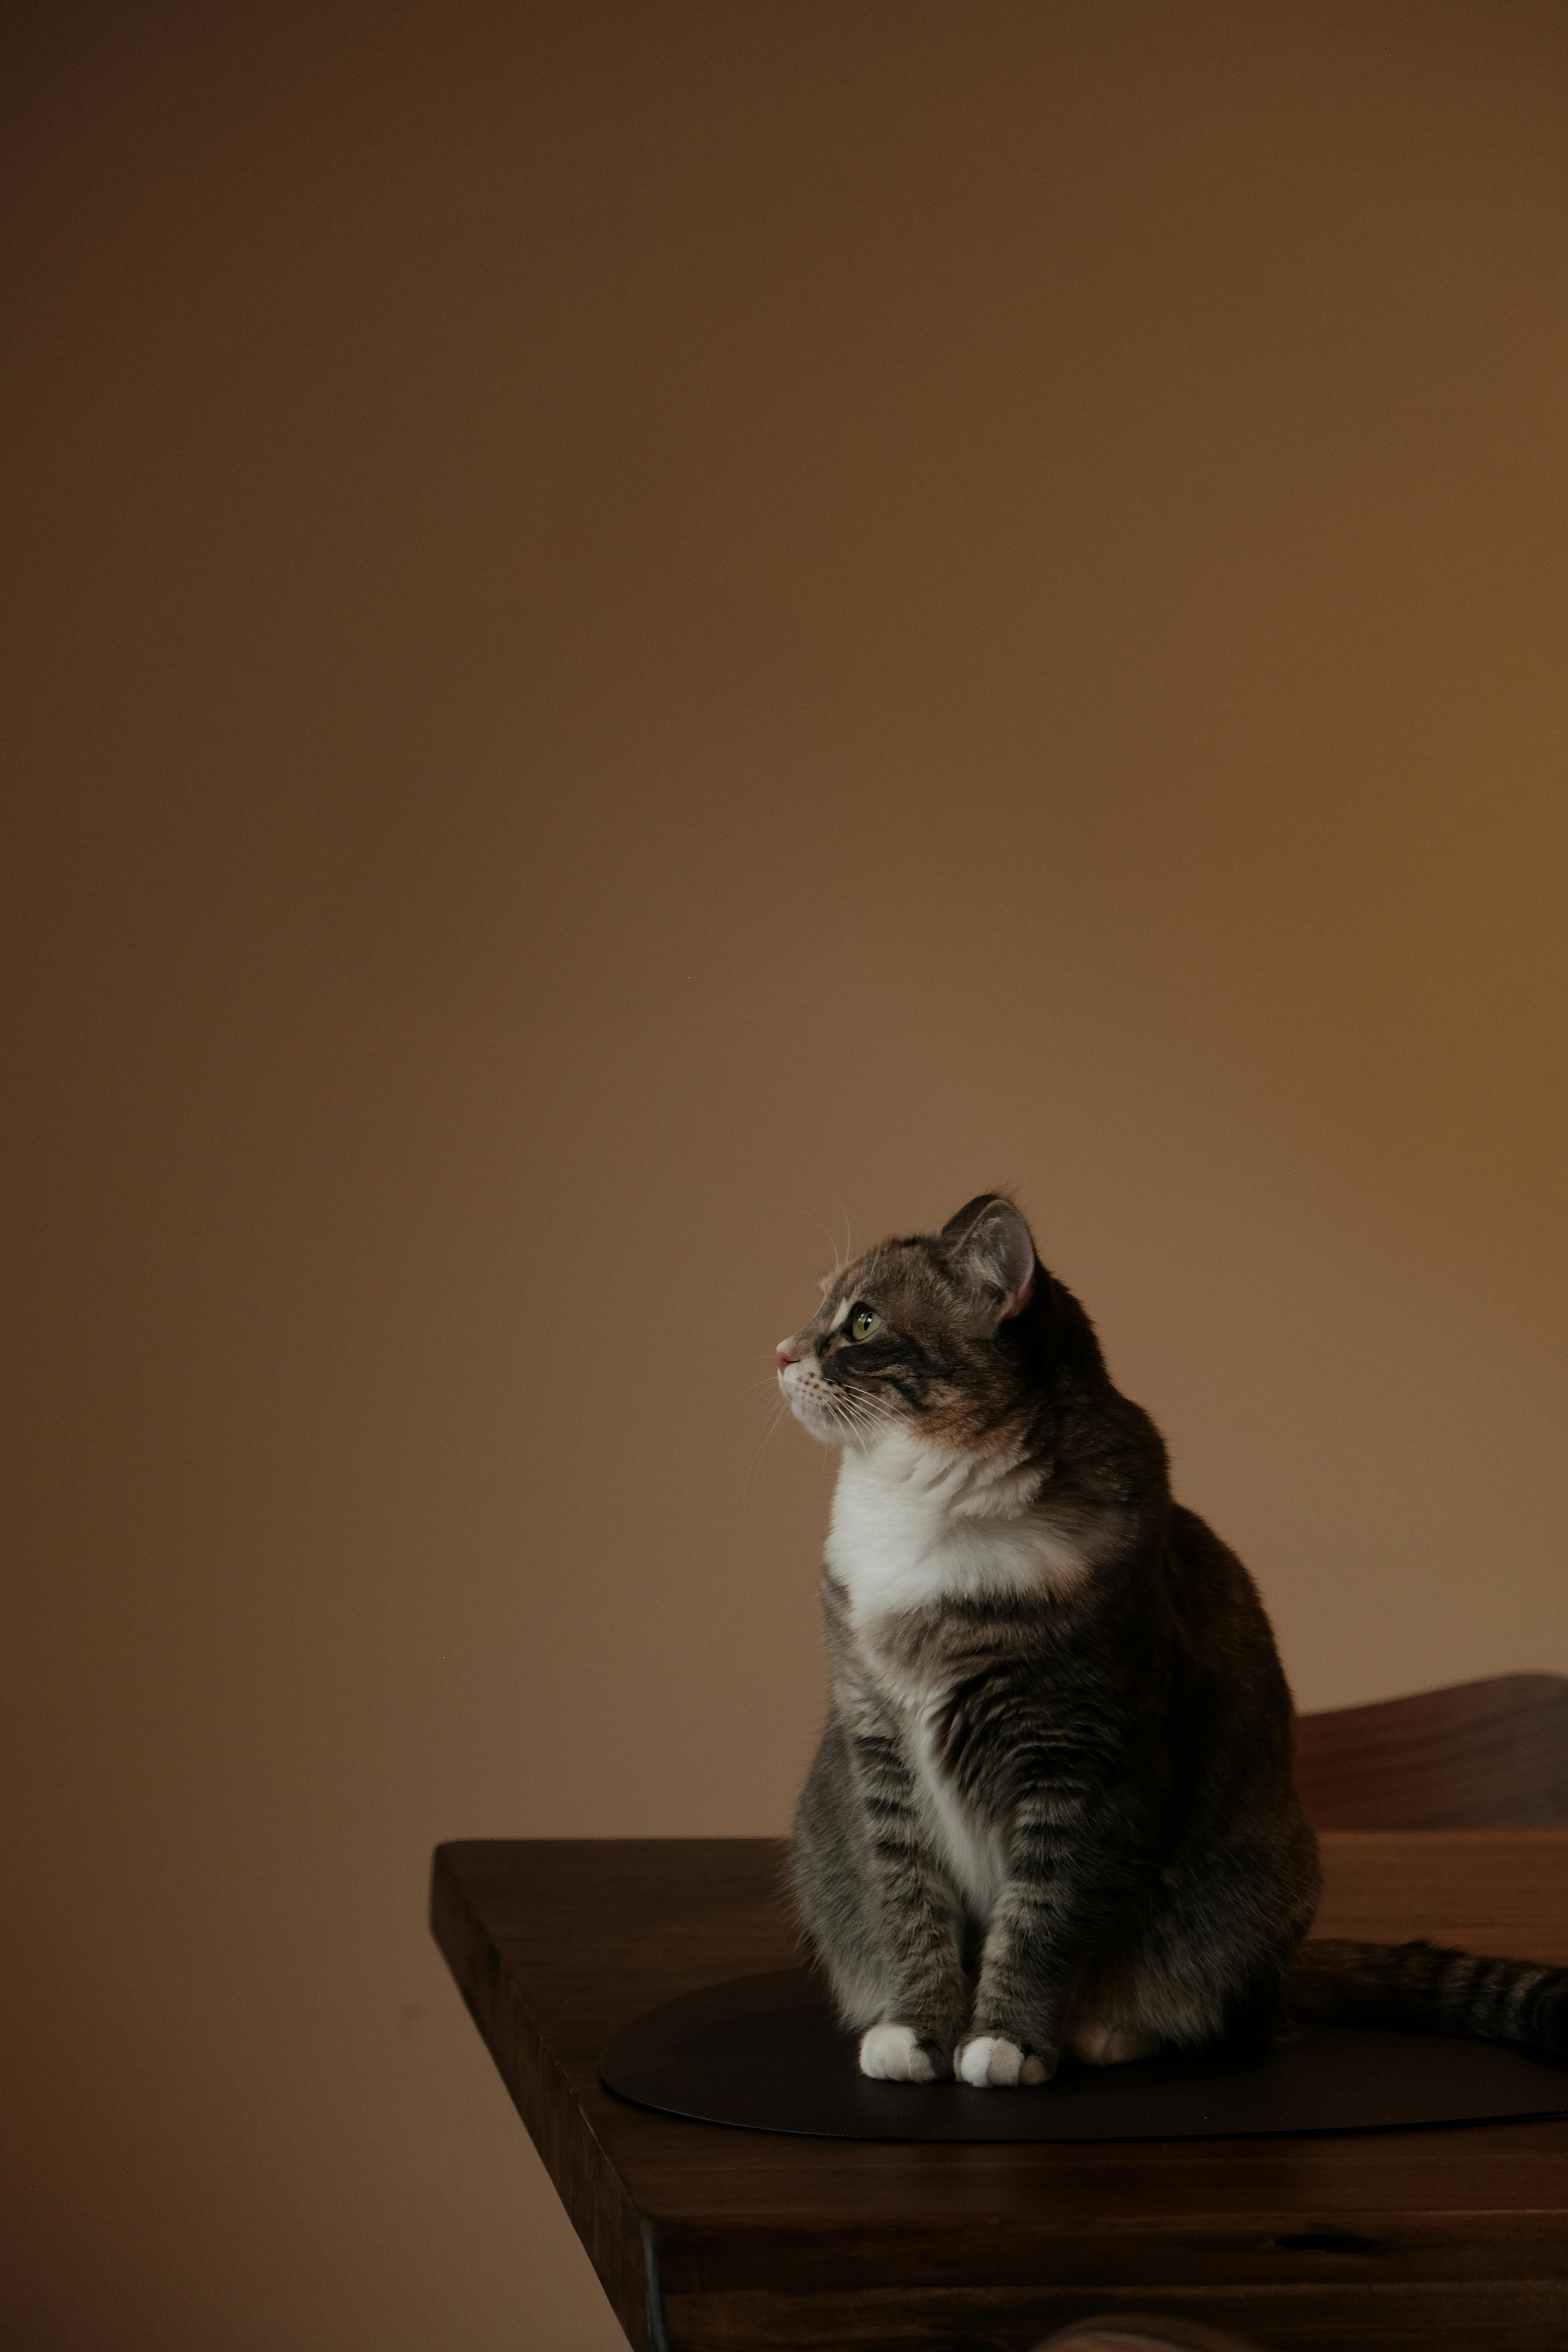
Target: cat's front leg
{"type": "Point", "coordinates": [1029, 1970]}
{"type": "Point", "coordinates": [925, 1995]}
{"type": "Point", "coordinates": [1015, 2036]}
{"type": "Point", "coordinates": [876, 1909]}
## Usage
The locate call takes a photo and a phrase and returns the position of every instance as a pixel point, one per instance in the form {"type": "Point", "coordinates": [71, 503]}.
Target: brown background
{"type": "Point", "coordinates": [639, 632]}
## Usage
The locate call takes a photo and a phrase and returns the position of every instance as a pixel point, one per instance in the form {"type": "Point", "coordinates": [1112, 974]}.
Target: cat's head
{"type": "Point", "coordinates": [922, 1335]}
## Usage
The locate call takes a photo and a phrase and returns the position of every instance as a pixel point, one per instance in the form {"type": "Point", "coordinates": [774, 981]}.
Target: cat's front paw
{"type": "Point", "coordinates": [988, 2061]}
{"type": "Point", "coordinates": [896, 2053]}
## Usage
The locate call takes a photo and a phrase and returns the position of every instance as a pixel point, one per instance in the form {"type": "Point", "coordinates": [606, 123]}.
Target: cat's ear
{"type": "Point", "coordinates": [994, 1254]}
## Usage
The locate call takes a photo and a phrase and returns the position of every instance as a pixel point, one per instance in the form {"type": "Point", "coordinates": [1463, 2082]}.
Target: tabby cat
{"type": "Point", "coordinates": [1053, 1808]}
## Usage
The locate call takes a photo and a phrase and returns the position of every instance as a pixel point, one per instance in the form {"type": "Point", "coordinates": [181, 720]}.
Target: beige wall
{"type": "Point", "coordinates": [639, 632]}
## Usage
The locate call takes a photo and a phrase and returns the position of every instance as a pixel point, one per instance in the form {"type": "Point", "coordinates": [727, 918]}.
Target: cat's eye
{"type": "Point", "coordinates": [863, 1321]}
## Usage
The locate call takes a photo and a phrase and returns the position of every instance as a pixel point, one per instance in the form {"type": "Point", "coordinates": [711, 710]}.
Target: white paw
{"type": "Point", "coordinates": [1099, 2044]}
{"type": "Point", "coordinates": [893, 2054]}
{"type": "Point", "coordinates": [988, 2060]}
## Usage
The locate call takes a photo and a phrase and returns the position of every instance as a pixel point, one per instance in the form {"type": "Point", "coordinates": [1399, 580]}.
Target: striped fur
{"type": "Point", "coordinates": [1053, 1806]}
{"type": "Point", "coordinates": [1430, 1989]}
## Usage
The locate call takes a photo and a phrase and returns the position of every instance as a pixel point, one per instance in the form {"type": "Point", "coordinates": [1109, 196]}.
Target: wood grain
{"type": "Point", "coordinates": [1486, 1755]}
{"type": "Point", "coordinates": [709, 2238]}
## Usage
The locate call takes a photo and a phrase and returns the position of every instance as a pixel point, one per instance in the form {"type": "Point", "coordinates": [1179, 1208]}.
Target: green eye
{"type": "Point", "coordinates": [863, 1321]}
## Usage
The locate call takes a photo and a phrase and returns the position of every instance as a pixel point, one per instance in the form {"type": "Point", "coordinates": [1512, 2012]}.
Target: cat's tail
{"type": "Point", "coordinates": [1426, 1988]}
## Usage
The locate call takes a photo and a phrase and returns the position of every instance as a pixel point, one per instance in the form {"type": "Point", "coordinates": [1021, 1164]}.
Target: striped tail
{"type": "Point", "coordinates": [1428, 1989]}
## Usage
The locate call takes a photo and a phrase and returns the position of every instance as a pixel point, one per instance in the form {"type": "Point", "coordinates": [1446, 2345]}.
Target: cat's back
{"type": "Point", "coordinates": [1231, 1717]}
{"type": "Point", "coordinates": [1218, 1608]}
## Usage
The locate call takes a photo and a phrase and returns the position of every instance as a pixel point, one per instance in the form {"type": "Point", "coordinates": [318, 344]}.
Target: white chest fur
{"type": "Point", "coordinates": [972, 1849]}
{"type": "Point", "coordinates": [913, 1523]}
{"type": "Point", "coordinates": [912, 1526]}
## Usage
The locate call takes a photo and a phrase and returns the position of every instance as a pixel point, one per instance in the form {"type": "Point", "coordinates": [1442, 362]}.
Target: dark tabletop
{"type": "Point", "coordinates": [706, 2236]}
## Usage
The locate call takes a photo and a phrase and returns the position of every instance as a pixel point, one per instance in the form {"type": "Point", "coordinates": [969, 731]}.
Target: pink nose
{"type": "Point", "coordinates": [787, 1354]}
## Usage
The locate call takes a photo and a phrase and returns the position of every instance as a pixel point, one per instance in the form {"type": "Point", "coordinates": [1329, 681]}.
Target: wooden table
{"type": "Point", "coordinates": [706, 2236]}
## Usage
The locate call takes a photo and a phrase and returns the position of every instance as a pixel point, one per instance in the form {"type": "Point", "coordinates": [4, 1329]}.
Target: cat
{"type": "Point", "coordinates": [1053, 1808]}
